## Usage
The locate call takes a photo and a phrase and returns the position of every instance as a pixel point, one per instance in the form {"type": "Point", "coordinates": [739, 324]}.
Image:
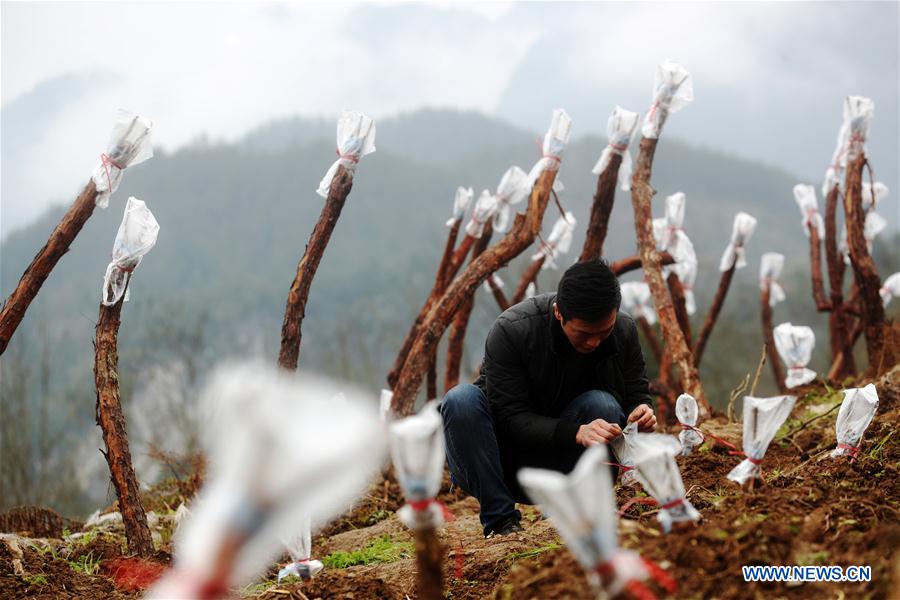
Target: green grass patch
{"type": "Point", "coordinates": [376, 516]}
{"type": "Point", "coordinates": [809, 559]}
{"type": "Point", "coordinates": [86, 565]}
{"type": "Point", "coordinates": [378, 551]}
{"type": "Point", "coordinates": [37, 579]}
{"type": "Point", "coordinates": [514, 556]}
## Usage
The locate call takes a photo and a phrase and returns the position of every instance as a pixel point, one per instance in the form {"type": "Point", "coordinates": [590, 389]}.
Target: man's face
{"type": "Point", "coordinates": [585, 336]}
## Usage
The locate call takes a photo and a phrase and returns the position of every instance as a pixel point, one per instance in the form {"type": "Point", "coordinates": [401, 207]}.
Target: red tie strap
{"type": "Point", "coordinates": [853, 451]}
{"type": "Point", "coordinates": [706, 434]}
{"type": "Point", "coordinates": [107, 161]}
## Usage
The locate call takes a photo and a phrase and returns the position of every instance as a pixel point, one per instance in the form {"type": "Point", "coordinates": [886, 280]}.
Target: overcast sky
{"type": "Point", "coordinates": [769, 78]}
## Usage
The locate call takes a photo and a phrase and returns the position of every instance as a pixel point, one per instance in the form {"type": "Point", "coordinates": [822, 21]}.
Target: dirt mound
{"type": "Point", "coordinates": [36, 521]}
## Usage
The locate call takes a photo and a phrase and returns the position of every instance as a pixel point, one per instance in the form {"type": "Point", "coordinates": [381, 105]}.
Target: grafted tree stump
{"type": "Point", "coordinates": [601, 209]}
{"type": "Point", "coordinates": [112, 422]}
{"type": "Point", "coordinates": [815, 268]}
{"type": "Point", "coordinates": [57, 245]}
{"type": "Point", "coordinates": [429, 556]}
{"type": "Point", "coordinates": [676, 345]}
{"type": "Point", "coordinates": [769, 338]}
{"type": "Point", "coordinates": [838, 320]}
{"type": "Point", "coordinates": [295, 311]}
{"type": "Point", "coordinates": [713, 314]}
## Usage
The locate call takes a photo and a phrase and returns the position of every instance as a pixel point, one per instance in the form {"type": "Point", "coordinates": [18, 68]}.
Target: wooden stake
{"type": "Point", "coordinates": [521, 236]}
{"type": "Point", "coordinates": [601, 210]}
{"type": "Point", "coordinates": [57, 245]}
{"type": "Point", "coordinates": [112, 422]}
{"type": "Point", "coordinates": [676, 346]}
{"type": "Point", "coordinates": [713, 315]}
{"type": "Point", "coordinates": [295, 310]}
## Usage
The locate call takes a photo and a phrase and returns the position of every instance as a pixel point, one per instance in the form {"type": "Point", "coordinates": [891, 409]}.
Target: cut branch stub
{"type": "Point", "coordinates": [522, 235]}
{"type": "Point", "coordinates": [769, 337]}
{"type": "Point", "coordinates": [676, 346]}
{"type": "Point", "coordinates": [57, 245]}
{"type": "Point", "coordinates": [295, 310]}
{"type": "Point", "coordinates": [112, 422]}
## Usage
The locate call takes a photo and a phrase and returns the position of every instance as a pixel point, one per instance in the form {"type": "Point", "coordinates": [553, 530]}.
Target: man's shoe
{"type": "Point", "coordinates": [507, 527]}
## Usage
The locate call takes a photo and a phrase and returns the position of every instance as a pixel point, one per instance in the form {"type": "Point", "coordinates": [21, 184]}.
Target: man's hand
{"type": "Point", "coordinates": [644, 417]}
{"type": "Point", "coordinates": [596, 432]}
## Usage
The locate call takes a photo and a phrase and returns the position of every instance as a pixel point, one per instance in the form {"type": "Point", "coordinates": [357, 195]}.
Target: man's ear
{"type": "Point", "coordinates": [556, 313]}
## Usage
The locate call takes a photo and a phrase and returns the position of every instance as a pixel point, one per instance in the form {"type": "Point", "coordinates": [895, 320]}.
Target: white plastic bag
{"type": "Point", "coordinates": [417, 449]}
{"type": "Point", "coordinates": [656, 470]}
{"type": "Point", "coordinates": [770, 266]}
{"type": "Point", "coordinates": [620, 130]}
{"type": "Point", "coordinates": [558, 242]}
{"type": "Point", "coordinates": [637, 300]}
{"type": "Point", "coordinates": [531, 290]}
{"type": "Point", "coordinates": [136, 236]}
{"type": "Point", "coordinates": [299, 546]}
{"type": "Point", "coordinates": [582, 507]}
{"type": "Point", "coordinates": [129, 144]}
{"type": "Point", "coordinates": [355, 139]}
{"type": "Point", "coordinates": [279, 452]}
{"type": "Point", "coordinates": [685, 268]}
{"type": "Point", "coordinates": [384, 405]}
{"type": "Point", "coordinates": [873, 194]}
{"type": "Point", "coordinates": [858, 113]}
{"type": "Point", "coordinates": [856, 413]}
{"type": "Point", "coordinates": [461, 202]}
{"type": "Point", "coordinates": [632, 444]}
{"type": "Point", "coordinates": [805, 196]}
{"type": "Point", "coordinates": [512, 189]}
{"type": "Point", "coordinates": [795, 345]}
{"type": "Point", "coordinates": [483, 211]}
{"type": "Point", "coordinates": [673, 222]}
{"type": "Point", "coordinates": [735, 252]}
{"type": "Point", "coordinates": [555, 141]}
{"type": "Point", "coordinates": [672, 91]}
{"type": "Point", "coordinates": [873, 225]}
{"type": "Point", "coordinates": [890, 288]}
{"type": "Point", "coordinates": [762, 418]}
{"type": "Point", "coordinates": [688, 413]}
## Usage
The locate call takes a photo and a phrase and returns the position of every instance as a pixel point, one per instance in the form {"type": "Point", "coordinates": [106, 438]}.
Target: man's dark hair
{"type": "Point", "coordinates": [588, 291]}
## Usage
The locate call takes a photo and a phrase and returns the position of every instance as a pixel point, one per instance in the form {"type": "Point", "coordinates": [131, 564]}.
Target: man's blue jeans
{"type": "Point", "coordinates": [474, 456]}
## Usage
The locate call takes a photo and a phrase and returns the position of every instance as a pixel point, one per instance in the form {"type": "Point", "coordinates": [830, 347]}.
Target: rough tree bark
{"type": "Point", "coordinates": [429, 556]}
{"type": "Point", "coordinates": [112, 422]}
{"type": "Point", "coordinates": [815, 268]}
{"type": "Point", "coordinates": [57, 245]}
{"type": "Point", "coordinates": [838, 320]}
{"type": "Point", "coordinates": [713, 315]}
{"type": "Point", "coordinates": [295, 310]}
{"type": "Point", "coordinates": [676, 346]}
{"type": "Point", "coordinates": [676, 289]}
{"type": "Point", "coordinates": [520, 237]}
{"type": "Point", "coordinates": [439, 284]}
{"type": "Point", "coordinates": [601, 209]}
{"type": "Point", "coordinates": [445, 274]}
{"type": "Point", "coordinates": [633, 263]}
{"type": "Point", "coordinates": [769, 338]}
{"type": "Point", "coordinates": [457, 337]}
{"type": "Point", "coordinates": [863, 267]}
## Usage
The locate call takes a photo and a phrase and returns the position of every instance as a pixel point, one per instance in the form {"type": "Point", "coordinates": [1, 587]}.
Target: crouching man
{"type": "Point", "coordinates": [561, 372]}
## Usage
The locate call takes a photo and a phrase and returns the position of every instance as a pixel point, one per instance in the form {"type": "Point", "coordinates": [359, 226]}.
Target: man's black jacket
{"type": "Point", "coordinates": [522, 374]}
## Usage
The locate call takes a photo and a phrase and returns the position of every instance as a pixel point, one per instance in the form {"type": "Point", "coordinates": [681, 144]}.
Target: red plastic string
{"type": "Point", "coordinates": [634, 501]}
{"type": "Point", "coordinates": [422, 505]}
{"type": "Point", "coordinates": [458, 559]}
{"type": "Point", "coordinates": [615, 464]}
{"type": "Point", "coordinates": [673, 503]}
{"type": "Point", "coordinates": [351, 157]}
{"type": "Point", "coordinates": [107, 161]}
{"type": "Point", "coordinates": [660, 576]}
{"type": "Point", "coordinates": [618, 147]}
{"type": "Point", "coordinates": [715, 437]}
{"type": "Point", "coordinates": [852, 450]}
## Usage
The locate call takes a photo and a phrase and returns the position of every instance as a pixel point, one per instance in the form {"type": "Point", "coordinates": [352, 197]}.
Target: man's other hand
{"type": "Point", "coordinates": [598, 431]}
{"type": "Point", "coordinates": [644, 417]}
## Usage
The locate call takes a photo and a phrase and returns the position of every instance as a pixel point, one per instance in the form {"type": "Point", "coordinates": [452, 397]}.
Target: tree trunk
{"type": "Point", "coordinates": [769, 338]}
{"type": "Point", "coordinates": [522, 235]}
{"type": "Point", "coordinates": [676, 346]}
{"type": "Point", "coordinates": [61, 238]}
{"type": "Point", "coordinates": [429, 556]}
{"type": "Point", "coordinates": [815, 268]}
{"type": "Point", "coordinates": [601, 210]}
{"type": "Point", "coordinates": [713, 315]}
{"type": "Point", "coordinates": [838, 321]}
{"type": "Point", "coordinates": [112, 422]}
{"type": "Point", "coordinates": [863, 267]}
{"type": "Point", "coordinates": [291, 334]}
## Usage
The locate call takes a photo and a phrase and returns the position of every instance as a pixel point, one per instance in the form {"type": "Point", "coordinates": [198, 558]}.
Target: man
{"type": "Point", "coordinates": [561, 372]}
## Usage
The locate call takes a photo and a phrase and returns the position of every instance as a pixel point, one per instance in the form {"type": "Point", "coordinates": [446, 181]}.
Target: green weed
{"type": "Point", "coordinates": [377, 551]}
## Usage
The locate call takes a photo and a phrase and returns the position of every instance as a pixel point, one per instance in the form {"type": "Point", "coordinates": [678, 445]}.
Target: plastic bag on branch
{"type": "Point", "coordinates": [495, 279]}
{"type": "Point", "coordinates": [674, 220]}
{"type": "Point", "coordinates": [136, 236]}
{"type": "Point", "coordinates": [873, 194]}
{"type": "Point", "coordinates": [620, 129]}
{"type": "Point", "coordinates": [355, 139]}
{"type": "Point", "coordinates": [685, 268]}
{"type": "Point", "coordinates": [461, 202]}
{"type": "Point", "coordinates": [795, 345]}
{"type": "Point", "coordinates": [279, 452]}
{"type": "Point", "coordinates": [637, 301]}
{"type": "Point", "coordinates": [582, 507]}
{"type": "Point", "coordinates": [555, 141]}
{"type": "Point", "coordinates": [658, 473]}
{"type": "Point", "coordinates": [890, 288]}
{"type": "Point", "coordinates": [558, 242]}
{"type": "Point", "coordinates": [770, 266]}
{"type": "Point", "coordinates": [629, 446]}
{"type": "Point", "coordinates": [856, 412]}
{"type": "Point", "coordinates": [512, 189]}
{"type": "Point", "coordinates": [484, 210]}
{"type": "Point", "coordinates": [299, 546]}
{"type": "Point", "coordinates": [805, 196]}
{"type": "Point", "coordinates": [735, 252]}
{"type": "Point", "coordinates": [384, 405]}
{"type": "Point", "coordinates": [531, 290]}
{"type": "Point", "coordinates": [687, 412]}
{"type": "Point", "coordinates": [858, 113]}
{"type": "Point", "coordinates": [417, 449]}
{"type": "Point", "coordinates": [762, 418]}
{"type": "Point", "coordinates": [872, 227]}
{"type": "Point", "coordinates": [129, 144]}
{"type": "Point", "coordinates": [672, 91]}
